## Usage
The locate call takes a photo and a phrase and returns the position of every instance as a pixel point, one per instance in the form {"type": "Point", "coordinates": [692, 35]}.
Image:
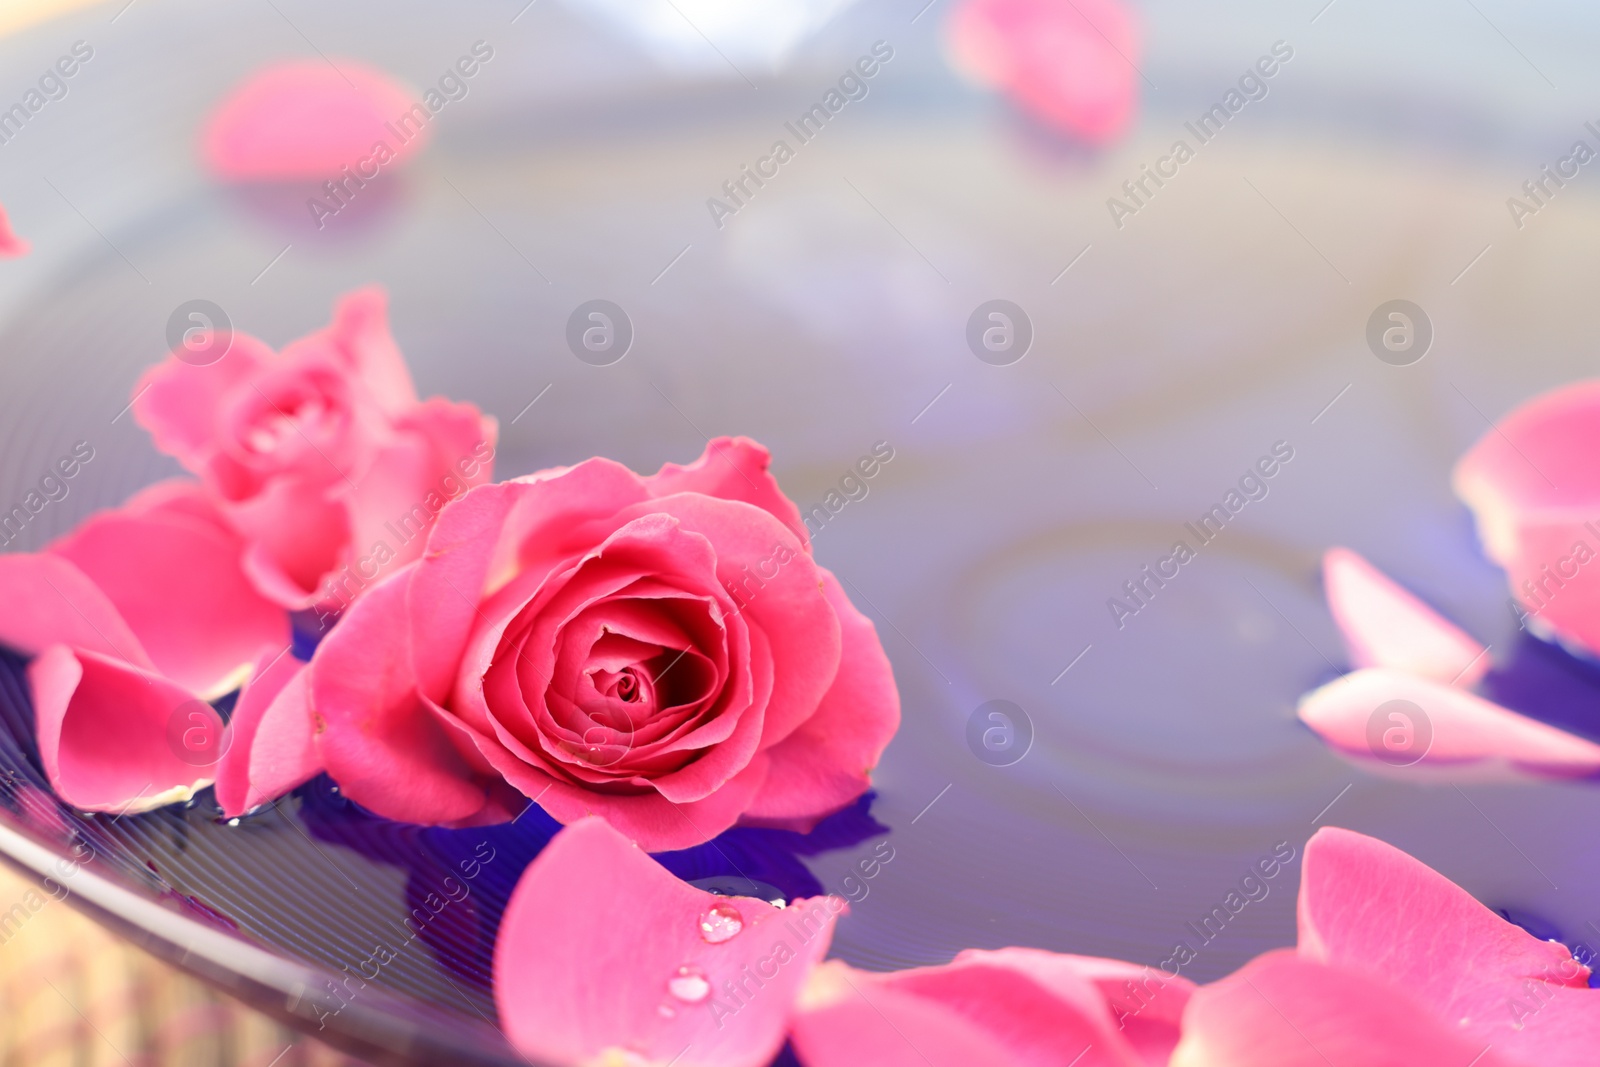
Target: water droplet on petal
{"type": "Point", "coordinates": [665, 1011]}
{"type": "Point", "coordinates": [721, 922]}
{"type": "Point", "coordinates": [689, 984]}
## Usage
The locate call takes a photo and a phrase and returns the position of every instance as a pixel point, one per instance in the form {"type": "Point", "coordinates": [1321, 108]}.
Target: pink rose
{"type": "Point", "coordinates": [134, 620]}
{"type": "Point", "coordinates": [11, 245]}
{"type": "Point", "coordinates": [321, 456]}
{"type": "Point", "coordinates": [1534, 487]}
{"type": "Point", "coordinates": [661, 651]}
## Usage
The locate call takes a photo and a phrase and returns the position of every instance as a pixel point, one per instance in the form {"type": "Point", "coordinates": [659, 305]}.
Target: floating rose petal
{"type": "Point", "coordinates": [136, 618]}
{"type": "Point", "coordinates": [1366, 987]}
{"type": "Point", "coordinates": [1068, 63]}
{"type": "Point", "coordinates": [1535, 489]}
{"type": "Point", "coordinates": [1385, 626]}
{"type": "Point", "coordinates": [1405, 720]}
{"type": "Point", "coordinates": [1006, 1007]}
{"type": "Point", "coordinates": [598, 938]}
{"type": "Point", "coordinates": [309, 119]}
{"type": "Point", "coordinates": [274, 744]}
{"type": "Point", "coordinates": [10, 244]}
{"type": "Point", "coordinates": [1285, 1011]}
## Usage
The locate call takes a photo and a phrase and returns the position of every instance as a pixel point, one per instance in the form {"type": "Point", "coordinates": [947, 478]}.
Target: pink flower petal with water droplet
{"type": "Point", "coordinates": [1068, 63]}
{"type": "Point", "coordinates": [309, 119]}
{"type": "Point", "coordinates": [1004, 1007]}
{"type": "Point", "coordinates": [1368, 908]}
{"type": "Point", "coordinates": [11, 245]}
{"type": "Point", "coordinates": [1534, 488]}
{"type": "Point", "coordinates": [596, 929]}
{"type": "Point", "coordinates": [1456, 730]}
{"type": "Point", "coordinates": [1386, 626]}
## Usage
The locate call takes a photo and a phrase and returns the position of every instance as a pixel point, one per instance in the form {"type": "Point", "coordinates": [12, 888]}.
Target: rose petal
{"type": "Point", "coordinates": [657, 824]}
{"type": "Point", "coordinates": [296, 563]}
{"type": "Point", "coordinates": [378, 741]}
{"type": "Point", "coordinates": [1455, 728]}
{"type": "Point", "coordinates": [178, 403]}
{"type": "Point", "coordinates": [732, 468]}
{"type": "Point", "coordinates": [1146, 1004]}
{"type": "Point", "coordinates": [824, 764]}
{"type": "Point", "coordinates": [1385, 626]}
{"type": "Point", "coordinates": [1069, 63]}
{"type": "Point", "coordinates": [177, 582]}
{"type": "Point", "coordinates": [1534, 493]}
{"type": "Point", "coordinates": [1284, 1011]}
{"type": "Point", "coordinates": [105, 732]}
{"type": "Point", "coordinates": [11, 245]}
{"type": "Point", "coordinates": [49, 601]}
{"type": "Point", "coordinates": [360, 338]}
{"type": "Point", "coordinates": [306, 119]}
{"type": "Point", "coordinates": [981, 1010]}
{"type": "Point", "coordinates": [480, 542]}
{"type": "Point", "coordinates": [1367, 907]}
{"type": "Point", "coordinates": [413, 475]}
{"type": "Point", "coordinates": [787, 605]}
{"type": "Point", "coordinates": [593, 912]}
{"type": "Point", "coordinates": [273, 749]}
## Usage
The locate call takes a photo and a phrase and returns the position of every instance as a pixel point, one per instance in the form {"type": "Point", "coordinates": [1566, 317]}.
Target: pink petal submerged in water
{"type": "Point", "coordinates": [11, 245]}
{"type": "Point", "coordinates": [987, 1009]}
{"type": "Point", "coordinates": [605, 958]}
{"type": "Point", "coordinates": [1405, 720]}
{"type": "Point", "coordinates": [310, 119]}
{"type": "Point", "coordinates": [1396, 966]}
{"type": "Point", "coordinates": [1068, 63]}
{"type": "Point", "coordinates": [1534, 488]}
{"type": "Point", "coordinates": [1385, 626]}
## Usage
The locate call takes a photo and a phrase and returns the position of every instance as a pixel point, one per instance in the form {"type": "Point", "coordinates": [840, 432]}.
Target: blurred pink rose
{"type": "Point", "coordinates": [306, 119]}
{"type": "Point", "coordinates": [10, 244]}
{"type": "Point", "coordinates": [1068, 63]}
{"type": "Point", "coordinates": [661, 651]}
{"type": "Point", "coordinates": [605, 958]}
{"type": "Point", "coordinates": [321, 456]}
{"type": "Point", "coordinates": [1534, 486]}
{"type": "Point", "coordinates": [134, 620]}
{"type": "Point", "coordinates": [992, 1009]}
{"type": "Point", "coordinates": [1396, 966]}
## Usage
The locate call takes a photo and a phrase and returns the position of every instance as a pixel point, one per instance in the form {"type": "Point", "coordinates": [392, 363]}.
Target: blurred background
{"type": "Point", "coordinates": [1166, 335]}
